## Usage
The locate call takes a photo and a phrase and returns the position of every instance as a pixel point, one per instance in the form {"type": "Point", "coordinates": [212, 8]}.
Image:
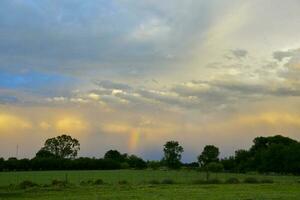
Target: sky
{"type": "Point", "coordinates": [133, 74]}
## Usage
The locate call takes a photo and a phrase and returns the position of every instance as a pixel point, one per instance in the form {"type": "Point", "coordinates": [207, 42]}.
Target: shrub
{"type": "Point", "coordinates": [199, 181]}
{"type": "Point", "coordinates": [99, 182]}
{"type": "Point", "coordinates": [251, 180]}
{"type": "Point", "coordinates": [267, 181]}
{"type": "Point", "coordinates": [232, 181]}
{"type": "Point", "coordinates": [155, 165]}
{"type": "Point", "coordinates": [27, 184]}
{"type": "Point", "coordinates": [211, 181]}
{"type": "Point", "coordinates": [82, 183]}
{"type": "Point", "coordinates": [123, 182]}
{"type": "Point", "coordinates": [154, 182]}
{"type": "Point", "coordinates": [59, 183]}
{"type": "Point", "coordinates": [167, 181]}
{"type": "Point", "coordinates": [46, 185]}
{"type": "Point", "coordinates": [88, 182]}
{"type": "Point", "coordinates": [125, 165]}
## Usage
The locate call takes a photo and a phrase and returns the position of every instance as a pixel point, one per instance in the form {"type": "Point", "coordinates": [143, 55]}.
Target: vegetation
{"type": "Point", "coordinates": [143, 184]}
{"type": "Point", "coordinates": [172, 154]}
{"type": "Point", "coordinates": [209, 154]}
{"type": "Point", "coordinates": [63, 146]}
{"type": "Point", "coordinates": [276, 154]}
{"type": "Point", "coordinates": [232, 180]}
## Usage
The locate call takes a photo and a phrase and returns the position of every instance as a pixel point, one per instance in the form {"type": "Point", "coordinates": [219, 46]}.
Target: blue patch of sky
{"type": "Point", "coordinates": [34, 81]}
{"type": "Point", "coordinates": [4, 99]}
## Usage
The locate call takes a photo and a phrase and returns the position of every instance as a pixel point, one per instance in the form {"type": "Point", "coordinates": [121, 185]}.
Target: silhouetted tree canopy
{"type": "Point", "coordinates": [267, 154]}
{"type": "Point", "coordinates": [115, 155]}
{"type": "Point", "coordinates": [42, 153]}
{"type": "Point", "coordinates": [209, 154]}
{"type": "Point", "coordinates": [172, 154]}
{"type": "Point", "coordinates": [277, 154]}
{"type": "Point", "coordinates": [63, 146]}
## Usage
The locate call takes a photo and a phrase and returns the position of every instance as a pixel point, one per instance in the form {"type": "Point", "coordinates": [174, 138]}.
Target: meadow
{"type": "Point", "coordinates": [147, 184]}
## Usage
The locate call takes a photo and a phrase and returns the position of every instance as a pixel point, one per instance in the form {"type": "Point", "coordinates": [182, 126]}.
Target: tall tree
{"type": "Point", "coordinates": [63, 146]}
{"type": "Point", "coordinates": [115, 155]}
{"type": "Point", "coordinates": [172, 154]}
{"type": "Point", "coordinates": [42, 153]}
{"type": "Point", "coordinates": [209, 154]}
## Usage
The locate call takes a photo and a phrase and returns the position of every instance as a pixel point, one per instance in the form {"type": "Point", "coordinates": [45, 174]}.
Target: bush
{"type": "Point", "coordinates": [99, 182]}
{"type": "Point", "coordinates": [267, 181]}
{"type": "Point", "coordinates": [88, 182]}
{"type": "Point", "coordinates": [59, 183]}
{"type": "Point", "coordinates": [251, 180]}
{"type": "Point", "coordinates": [199, 181]}
{"type": "Point", "coordinates": [125, 165]}
{"type": "Point", "coordinates": [154, 182]}
{"type": "Point", "coordinates": [232, 181]}
{"type": "Point", "coordinates": [167, 181]}
{"type": "Point", "coordinates": [155, 165]}
{"type": "Point", "coordinates": [123, 182]}
{"type": "Point", "coordinates": [211, 181]}
{"type": "Point", "coordinates": [27, 184]}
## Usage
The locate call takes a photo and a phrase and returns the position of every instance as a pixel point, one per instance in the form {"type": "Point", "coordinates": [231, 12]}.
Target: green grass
{"type": "Point", "coordinates": [138, 186]}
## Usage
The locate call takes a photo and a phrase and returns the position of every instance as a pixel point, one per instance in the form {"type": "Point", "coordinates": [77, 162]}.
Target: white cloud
{"type": "Point", "coordinates": [152, 29]}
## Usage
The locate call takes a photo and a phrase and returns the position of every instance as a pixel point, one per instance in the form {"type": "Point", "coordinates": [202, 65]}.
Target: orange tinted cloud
{"type": "Point", "coordinates": [71, 125]}
{"type": "Point", "coordinates": [9, 122]}
{"type": "Point", "coordinates": [272, 118]}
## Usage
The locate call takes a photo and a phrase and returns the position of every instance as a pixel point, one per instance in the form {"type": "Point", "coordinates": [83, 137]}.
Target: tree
{"type": "Point", "coordinates": [209, 154]}
{"type": "Point", "coordinates": [2, 164]}
{"type": "Point", "coordinates": [63, 146]}
{"type": "Point", "coordinates": [154, 164]}
{"type": "Point", "coordinates": [42, 153]}
{"type": "Point", "coordinates": [115, 155]}
{"type": "Point", "coordinates": [229, 164]}
{"type": "Point", "coordinates": [243, 160]}
{"type": "Point", "coordinates": [136, 162]}
{"type": "Point", "coordinates": [213, 167]}
{"type": "Point", "coordinates": [172, 154]}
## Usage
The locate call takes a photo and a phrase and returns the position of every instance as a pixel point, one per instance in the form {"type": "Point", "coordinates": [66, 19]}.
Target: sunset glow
{"type": "Point", "coordinates": [131, 75]}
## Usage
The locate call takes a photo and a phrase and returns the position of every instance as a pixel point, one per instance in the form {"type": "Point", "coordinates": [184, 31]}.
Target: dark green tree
{"type": "Point", "coordinates": [172, 154]}
{"type": "Point", "coordinates": [209, 154]}
{"type": "Point", "coordinates": [213, 167]}
{"type": "Point", "coordinates": [2, 161]}
{"type": "Point", "coordinates": [42, 153]}
{"type": "Point", "coordinates": [136, 162]}
{"type": "Point", "coordinates": [115, 155]}
{"type": "Point", "coordinates": [63, 146]}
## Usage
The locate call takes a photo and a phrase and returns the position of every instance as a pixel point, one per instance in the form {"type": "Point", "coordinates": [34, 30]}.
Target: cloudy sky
{"type": "Point", "coordinates": [131, 74]}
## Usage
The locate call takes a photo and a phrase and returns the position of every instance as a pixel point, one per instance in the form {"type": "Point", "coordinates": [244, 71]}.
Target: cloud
{"type": "Point", "coordinates": [291, 68]}
{"type": "Point", "coordinates": [71, 125]}
{"type": "Point", "coordinates": [99, 67]}
{"type": "Point", "coordinates": [9, 122]}
{"type": "Point", "coordinates": [6, 99]}
{"type": "Point", "coordinates": [239, 53]}
{"type": "Point", "coordinates": [153, 29]}
{"type": "Point", "coordinates": [106, 84]}
{"type": "Point", "coordinates": [272, 118]}
{"type": "Point", "coordinates": [280, 55]}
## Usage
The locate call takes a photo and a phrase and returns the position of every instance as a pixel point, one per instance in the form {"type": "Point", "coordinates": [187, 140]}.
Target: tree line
{"type": "Point", "coordinates": [277, 154]}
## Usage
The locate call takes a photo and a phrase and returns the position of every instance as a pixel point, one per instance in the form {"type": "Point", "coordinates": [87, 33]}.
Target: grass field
{"type": "Point", "coordinates": [138, 186]}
